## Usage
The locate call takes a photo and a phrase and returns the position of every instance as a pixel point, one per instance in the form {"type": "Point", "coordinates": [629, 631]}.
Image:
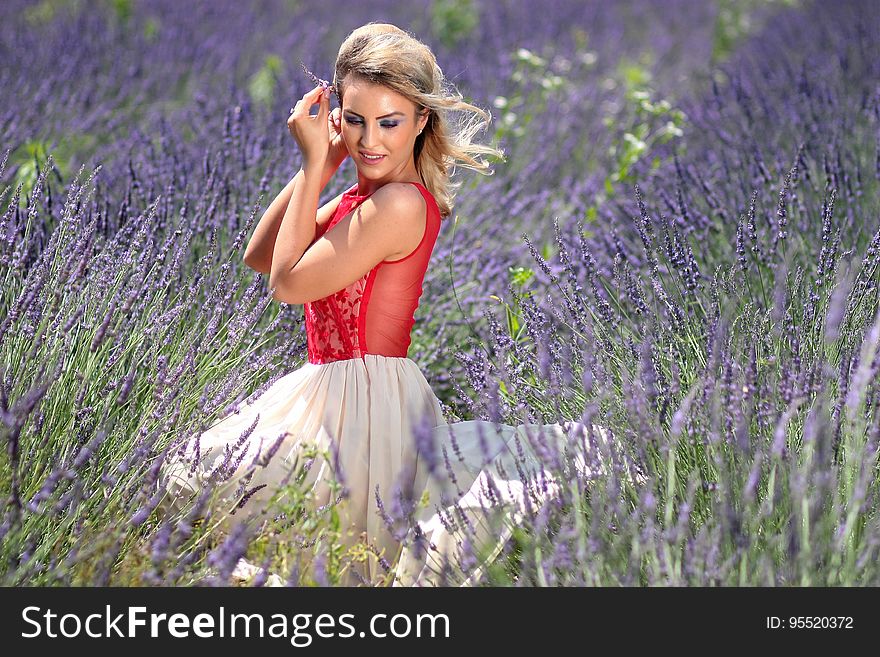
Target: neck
{"type": "Point", "coordinates": [368, 186]}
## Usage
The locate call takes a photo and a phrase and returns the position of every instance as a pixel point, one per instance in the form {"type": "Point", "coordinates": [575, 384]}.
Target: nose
{"type": "Point", "coordinates": [367, 134]}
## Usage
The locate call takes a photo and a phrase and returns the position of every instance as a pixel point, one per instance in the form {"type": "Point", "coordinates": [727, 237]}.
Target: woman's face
{"type": "Point", "coordinates": [379, 121]}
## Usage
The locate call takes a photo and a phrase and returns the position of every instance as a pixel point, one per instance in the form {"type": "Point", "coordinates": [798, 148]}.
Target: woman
{"type": "Point", "coordinates": [357, 264]}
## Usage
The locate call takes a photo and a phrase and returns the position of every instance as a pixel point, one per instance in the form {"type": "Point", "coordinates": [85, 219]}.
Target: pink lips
{"type": "Point", "coordinates": [370, 161]}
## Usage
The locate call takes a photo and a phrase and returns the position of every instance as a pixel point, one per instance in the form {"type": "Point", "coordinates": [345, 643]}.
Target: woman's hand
{"type": "Point", "coordinates": [338, 151]}
{"type": "Point", "coordinates": [309, 131]}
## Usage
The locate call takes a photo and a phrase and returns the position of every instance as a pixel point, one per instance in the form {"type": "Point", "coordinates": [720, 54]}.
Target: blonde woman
{"type": "Point", "coordinates": [357, 264]}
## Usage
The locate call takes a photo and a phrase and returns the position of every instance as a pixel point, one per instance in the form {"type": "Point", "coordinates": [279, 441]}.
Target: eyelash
{"type": "Point", "coordinates": [358, 122]}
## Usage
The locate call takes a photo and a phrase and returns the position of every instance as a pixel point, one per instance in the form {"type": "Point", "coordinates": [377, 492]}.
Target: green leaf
{"type": "Point", "coordinates": [452, 21]}
{"type": "Point", "coordinates": [633, 75]}
{"type": "Point", "coordinates": [263, 83]}
{"type": "Point", "coordinates": [30, 157]}
{"type": "Point", "coordinates": [519, 276]}
{"type": "Point", "coordinates": [122, 9]}
{"type": "Point", "coordinates": [151, 28]}
{"type": "Point", "coordinates": [512, 322]}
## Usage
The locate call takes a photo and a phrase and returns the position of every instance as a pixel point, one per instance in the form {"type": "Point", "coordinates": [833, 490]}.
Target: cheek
{"type": "Point", "coordinates": [400, 140]}
{"type": "Point", "coordinates": [350, 137]}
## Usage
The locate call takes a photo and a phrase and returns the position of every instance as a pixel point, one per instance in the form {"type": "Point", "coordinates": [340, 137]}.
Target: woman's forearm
{"type": "Point", "coordinates": [297, 229]}
{"type": "Point", "coordinates": [258, 254]}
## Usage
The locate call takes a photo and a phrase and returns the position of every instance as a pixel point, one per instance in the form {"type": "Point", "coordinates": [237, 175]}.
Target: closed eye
{"type": "Point", "coordinates": [384, 124]}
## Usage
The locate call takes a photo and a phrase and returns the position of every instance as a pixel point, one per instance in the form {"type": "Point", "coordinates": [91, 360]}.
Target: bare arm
{"type": "Point", "coordinates": [389, 223]}
{"type": "Point", "coordinates": [297, 229]}
{"type": "Point", "coordinates": [258, 254]}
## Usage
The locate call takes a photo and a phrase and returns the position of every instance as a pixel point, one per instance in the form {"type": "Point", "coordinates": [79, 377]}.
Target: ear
{"type": "Point", "coordinates": [424, 115]}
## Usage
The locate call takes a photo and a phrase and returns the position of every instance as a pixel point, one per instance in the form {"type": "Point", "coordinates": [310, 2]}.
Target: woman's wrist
{"type": "Point", "coordinates": [331, 165]}
{"type": "Point", "coordinates": [314, 166]}
{"type": "Point", "coordinates": [327, 168]}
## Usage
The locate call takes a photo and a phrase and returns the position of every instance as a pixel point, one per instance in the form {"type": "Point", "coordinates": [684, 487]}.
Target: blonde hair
{"type": "Point", "coordinates": [384, 54]}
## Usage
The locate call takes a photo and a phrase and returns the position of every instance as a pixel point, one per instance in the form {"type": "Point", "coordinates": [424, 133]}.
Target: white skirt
{"type": "Point", "coordinates": [379, 418]}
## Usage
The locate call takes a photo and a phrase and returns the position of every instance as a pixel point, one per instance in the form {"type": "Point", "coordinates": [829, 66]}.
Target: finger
{"type": "Point", "coordinates": [314, 94]}
{"type": "Point", "coordinates": [322, 110]}
{"type": "Point", "coordinates": [310, 97]}
{"type": "Point", "coordinates": [298, 110]}
{"type": "Point", "coordinates": [324, 100]}
{"type": "Point", "coordinates": [305, 104]}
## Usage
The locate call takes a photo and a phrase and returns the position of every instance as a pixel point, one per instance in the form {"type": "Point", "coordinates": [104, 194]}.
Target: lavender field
{"type": "Point", "coordinates": [681, 246]}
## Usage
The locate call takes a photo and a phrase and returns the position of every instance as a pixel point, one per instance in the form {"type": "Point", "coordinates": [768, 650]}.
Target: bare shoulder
{"type": "Point", "coordinates": [400, 199]}
{"type": "Point", "coordinates": [398, 212]}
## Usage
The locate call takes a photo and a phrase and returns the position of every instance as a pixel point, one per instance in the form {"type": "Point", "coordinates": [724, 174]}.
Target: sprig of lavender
{"type": "Point", "coordinates": [324, 83]}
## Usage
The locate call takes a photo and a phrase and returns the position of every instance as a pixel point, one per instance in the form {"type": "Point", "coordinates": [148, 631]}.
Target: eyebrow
{"type": "Point", "coordinates": [384, 116]}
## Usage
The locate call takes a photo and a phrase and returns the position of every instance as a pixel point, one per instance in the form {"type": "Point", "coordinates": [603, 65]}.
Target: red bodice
{"type": "Point", "coordinates": [375, 314]}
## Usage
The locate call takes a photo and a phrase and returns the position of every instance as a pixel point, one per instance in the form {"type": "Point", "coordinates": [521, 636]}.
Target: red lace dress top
{"type": "Point", "coordinates": [375, 314]}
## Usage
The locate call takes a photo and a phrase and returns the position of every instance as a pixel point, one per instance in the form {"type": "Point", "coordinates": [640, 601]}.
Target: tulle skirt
{"type": "Point", "coordinates": [388, 445]}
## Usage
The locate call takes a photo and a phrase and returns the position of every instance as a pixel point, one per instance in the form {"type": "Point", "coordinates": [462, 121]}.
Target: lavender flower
{"type": "Point", "coordinates": [314, 78]}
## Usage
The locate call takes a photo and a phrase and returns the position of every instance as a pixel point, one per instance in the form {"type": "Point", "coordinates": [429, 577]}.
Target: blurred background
{"type": "Point", "coordinates": [681, 245]}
